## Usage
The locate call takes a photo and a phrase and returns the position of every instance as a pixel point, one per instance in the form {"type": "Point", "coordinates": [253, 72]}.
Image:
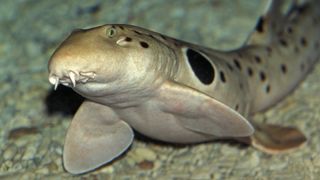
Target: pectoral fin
{"type": "Point", "coordinates": [96, 136]}
{"type": "Point", "coordinates": [201, 113]}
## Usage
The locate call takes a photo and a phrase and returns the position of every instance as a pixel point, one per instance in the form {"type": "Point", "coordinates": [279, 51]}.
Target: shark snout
{"type": "Point", "coordinates": [67, 69]}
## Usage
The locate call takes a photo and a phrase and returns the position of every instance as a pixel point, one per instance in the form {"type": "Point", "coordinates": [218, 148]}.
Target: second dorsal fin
{"type": "Point", "coordinates": [270, 22]}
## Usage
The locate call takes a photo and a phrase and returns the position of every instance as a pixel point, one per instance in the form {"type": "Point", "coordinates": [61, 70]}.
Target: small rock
{"type": "Point", "coordinates": [27, 175]}
{"type": "Point", "coordinates": [146, 165]}
{"type": "Point", "coordinates": [157, 164]}
{"type": "Point", "coordinates": [144, 154]}
{"type": "Point", "coordinates": [201, 176]}
{"type": "Point", "coordinates": [229, 150]}
{"type": "Point", "coordinates": [278, 166]}
{"type": "Point", "coordinates": [6, 166]}
{"type": "Point", "coordinates": [107, 170]}
{"type": "Point", "coordinates": [21, 132]}
{"type": "Point", "coordinates": [52, 167]}
{"type": "Point", "coordinates": [18, 155]}
{"type": "Point", "coordinates": [44, 170]}
{"type": "Point", "coordinates": [29, 153]}
{"type": "Point", "coordinates": [316, 161]}
{"type": "Point", "coordinates": [9, 152]}
{"type": "Point", "coordinates": [131, 161]}
{"type": "Point", "coordinates": [250, 162]}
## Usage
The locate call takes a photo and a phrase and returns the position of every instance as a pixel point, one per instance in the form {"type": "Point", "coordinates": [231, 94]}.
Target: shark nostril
{"type": "Point", "coordinates": [89, 74]}
{"type": "Point", "coordinates": [52, 79]}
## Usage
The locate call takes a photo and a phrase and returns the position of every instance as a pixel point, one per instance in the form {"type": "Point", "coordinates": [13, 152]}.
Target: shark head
{"type": "Point", "coordinates": [107, 60]}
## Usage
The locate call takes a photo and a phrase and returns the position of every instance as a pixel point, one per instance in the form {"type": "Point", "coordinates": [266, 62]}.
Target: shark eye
{"type": "Point", "coordinates": [111, 32]}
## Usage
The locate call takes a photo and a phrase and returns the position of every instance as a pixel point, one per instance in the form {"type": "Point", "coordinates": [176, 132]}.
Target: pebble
{"type": "Point", "coordinates": [229, 150]}
{"type": "Point", "coordinates": [249, 162]}
{"type": "Point", "coordinates": [130, 160]}
{"type": "Point", "coordinates": [6, 167]}
{"type": "Point", "coordinates": [146, 165]}
{"type": "Point", "coordinates": [141, 154]}
{"type": "Point", "coordinates": [29, 152]}
{"type": "Point", "coordinates": [316, 161]}
{"type": "Point", "coordinates": [18, 155]}
{"type": "Point", "coordinates": [27, 176]}
{"type": "Point", "coordinates": [10, 152]}
{"type": "Point", "coordinates": [107, 169]}
{"type": "Point", "coordinates": [43, 170]}
{"type": "Point", "coordinates": [204, 176]}
{"type": "Point", "coordinates": [22, 132]}
{"type": "Point", "coordinates": [278, 166]}
{"type": "Point", "coordinates": [52, 166]}
{"type": "Point", "coordinates": [157, 164]}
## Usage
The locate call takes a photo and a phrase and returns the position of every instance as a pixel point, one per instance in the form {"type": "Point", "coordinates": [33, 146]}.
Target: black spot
{"type": "Point", "coordinates": [303, 41]}
{"type": "Point", "coordinates": [289, 30]}
{"type": "Point", "coordinates": [283, 42]}
{"type": "Point", "coordinates": [257, 59]}
{"type": "Point", "coordinates": [163, 37]}
{"type": "Point", "coordinates": [250, 71]}
{"type": "Point", "coordinates": [268, 88]}
{"type": "Point", "coordinates": [150, 35]}
{"type": "Point", "coordinates": [283, 68]}
{"type": "Point", "coordinates": [144, 44]}
{"type": "Point", "coordinates": [259, 25]}
{"type": "Point", "coordinates": [262, 76]}
{"type": "Point", "coordinates": [128, 39]}
{"type": "Point", "coordinates": [237, 63]}
{"type": "Point", "coordinates": [113, 26]}
{"type": "Point", "coordinates": [137, 32]}
{"type": "Point", "coordinates": [222, 77]}
{"type": "Point", "coordinates": [237, 107]}
{"type": "Point", "coordinates": [121, 27]}
{"type": "Point", "coordinates": [201, 67]}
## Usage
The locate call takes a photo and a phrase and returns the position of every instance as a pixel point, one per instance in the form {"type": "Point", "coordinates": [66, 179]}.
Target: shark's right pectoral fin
{"type": "Point", "coordinates": [96, 136]}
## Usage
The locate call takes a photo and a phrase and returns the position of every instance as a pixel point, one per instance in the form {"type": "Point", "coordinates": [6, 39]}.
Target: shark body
{"type": "Point", "coordinates": [179, 92]}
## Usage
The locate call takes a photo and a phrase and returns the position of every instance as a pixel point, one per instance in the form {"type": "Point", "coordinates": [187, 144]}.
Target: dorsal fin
{"type": "Point", "coordinates": [270, 22]}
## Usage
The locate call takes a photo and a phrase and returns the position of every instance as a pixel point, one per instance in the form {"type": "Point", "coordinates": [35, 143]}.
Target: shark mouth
{"type": "Point", "coordinates": [71, 79]}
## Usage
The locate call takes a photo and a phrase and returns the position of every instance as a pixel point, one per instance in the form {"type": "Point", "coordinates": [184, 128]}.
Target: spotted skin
{"type": "Point", "coordinates": [180, 92]}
